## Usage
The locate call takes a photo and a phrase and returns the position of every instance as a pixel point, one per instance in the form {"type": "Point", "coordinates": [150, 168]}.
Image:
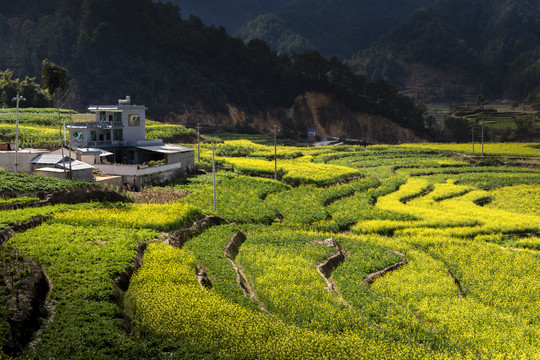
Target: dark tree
{"type": "Point", "coordinates": [54, 77]}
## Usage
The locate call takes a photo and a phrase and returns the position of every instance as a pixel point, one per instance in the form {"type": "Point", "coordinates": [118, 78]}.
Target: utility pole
{"type": "Point", "coordinates": [198, 143]}
{"type": "Point", "coordinates": [482, 136]}
{"type": "Point", "coordinates": [472, 139]}
{"type": "Point", "coordinates": [69, 137]}
{"type": "Point", "coordinates": [17, 98]}
{"type": "Point", "coordinates": [214, 178]}
{"type": "Point", "coordinates": [275, 152]}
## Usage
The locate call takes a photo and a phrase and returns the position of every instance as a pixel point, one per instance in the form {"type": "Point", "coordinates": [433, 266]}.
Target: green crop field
{"type": "Point", "coordinates": [44, 127]}
{"type": "Point", "coordinates": [378, 252]}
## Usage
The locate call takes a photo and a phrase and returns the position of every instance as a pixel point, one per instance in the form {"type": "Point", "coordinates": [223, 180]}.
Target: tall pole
{"type": "Point", "coordinates": [482, 136]}
{"type": "Point", "coordinates": [214, 178]}
{"type": "Point", "coordinates": [198, 143]}
{"type": "Point", "coordinates": [17, 98]}
{"type": "Point", "coordinates": [69, 137]}
{"type": "Point", "coordinates": [472, 139]}
{"type": "Point", "coordinates": [275, 152]}
{"type": "Point", "coordinates": [63, 142]}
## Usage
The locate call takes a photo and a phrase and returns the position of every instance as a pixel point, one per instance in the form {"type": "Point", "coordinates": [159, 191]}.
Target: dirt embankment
{"type": "Point", "coordinates": [370, 279]}
{"type": "Point", "coordinates": [329, 118]}
{"type": "Point", "coordinates": [69, 196]}
{"type": "Point", "coordinates": [25, 288]}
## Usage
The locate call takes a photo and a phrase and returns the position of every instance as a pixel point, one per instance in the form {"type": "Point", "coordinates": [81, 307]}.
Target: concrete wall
{"type": "Point", "coordinates": [142, 177]}
{"type": "Point", "coordinates": [132, 131]}
{"type": "Point", "coordinates": [24, 158]}
{"type": "Point", "coordinates": [115, 181]}
{"type": "Point", "coordinates": [186, 158]}
{"type": "Point", "coordinates": [83, 175]}
{"type": "Point", "coordinates": [155, 179]}
{"type": "Point", "coordinates": [135, 170]}
{"type": "Point", "coordinates": [51, 174]}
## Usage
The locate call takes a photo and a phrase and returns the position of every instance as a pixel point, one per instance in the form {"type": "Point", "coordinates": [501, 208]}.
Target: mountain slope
{"type": "Point", "coordinates": [485, 46]}
{"type": "Point", "coordinates": [334, 28]}
{"type": "Point", "coordinates": [146, 50]}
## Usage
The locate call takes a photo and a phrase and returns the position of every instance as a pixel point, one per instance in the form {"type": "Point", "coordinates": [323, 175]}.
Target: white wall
{"type": "Point", "coordinates": [131, 132]}
{"type": "Point", "coordinates": [24, 158]}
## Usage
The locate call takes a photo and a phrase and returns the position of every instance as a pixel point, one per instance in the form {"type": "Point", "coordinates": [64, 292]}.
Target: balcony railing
{"type": "Point", "coordinates": [99, 143]}
{"type": "Point", "coordinates": [97, 124]}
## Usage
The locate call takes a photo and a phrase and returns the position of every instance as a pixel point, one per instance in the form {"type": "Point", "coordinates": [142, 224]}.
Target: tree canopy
{"type": "Point", "coordinates": [145, 49]}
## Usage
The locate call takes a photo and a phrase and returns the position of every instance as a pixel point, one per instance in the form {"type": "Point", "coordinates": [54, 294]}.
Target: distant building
{"type": "Point", "coordinates": [18, 161]}
{"type": "Point", "coordinates": [115, 143]}
{"type": "Point", "coordinates": [53, 166]}
{"type": "Point", "coordinates": [311, 132]}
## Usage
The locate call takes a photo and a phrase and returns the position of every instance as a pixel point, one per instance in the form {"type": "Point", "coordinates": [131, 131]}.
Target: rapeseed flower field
{"type": "Point", "coordinates": [383, 252]}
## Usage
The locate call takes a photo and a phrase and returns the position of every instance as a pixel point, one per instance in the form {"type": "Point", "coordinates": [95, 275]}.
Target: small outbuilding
{"type": "Point", "coordinates": [55, 166]}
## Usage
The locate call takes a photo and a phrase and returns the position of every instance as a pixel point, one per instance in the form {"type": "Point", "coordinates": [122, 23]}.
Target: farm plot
{"type": "Point", "coordinates": [429, 261]}
{"type": "Point", "coordinates": [43, 127]}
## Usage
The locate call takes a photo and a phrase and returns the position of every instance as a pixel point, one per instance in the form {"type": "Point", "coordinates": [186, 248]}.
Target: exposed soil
{"type": "Point", "coordinates": [121, 285]}
{"type": "Point", "coordinates": [461, 293]}
{"type": "Point", "coordinates": [86, 194]}
{"type": "Point", "coordinates": [233, 246]}
{"type": "Point", "coordinates": [179, 237]}
{"type": "Point", "coordinates": [483, 201]}
{"type": "Point", "coordinates": [202, 277]}
{"type": "Point", "coordinates": [328, 116]}
{"type": "Point", "coordinates": [427, 191]}
{"type": "Point", "coordinates": [24, 290]}
{"type": "Point", "coordinates": [370, 279]}
{"type": "Point", "coordinates": [69, 196]}
{"type": "Point", "coordinates": [327, 266]}
{"type": "Point", "coordinates": [157, 196]}
{"type": "Point", "coordinates": [8, 232]}
{"type": "Point", "coordinates": [231, 251]}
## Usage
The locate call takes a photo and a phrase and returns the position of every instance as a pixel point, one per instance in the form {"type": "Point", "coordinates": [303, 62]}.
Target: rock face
{"type": "Point", "coordinates": [320, 111]}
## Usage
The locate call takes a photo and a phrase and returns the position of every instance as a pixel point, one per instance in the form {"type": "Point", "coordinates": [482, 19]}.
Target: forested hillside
{"type": "Point", "coordinates": [334, 28]}
{"type": "Point", "coordinates": [147, 50]}
{"type": "Point", "coordinates": [457, 46]}
{"type": "Point", "coordinates": [434, 50]}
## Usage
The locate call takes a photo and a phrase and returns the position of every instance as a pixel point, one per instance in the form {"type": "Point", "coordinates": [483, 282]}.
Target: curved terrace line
{"type": "Point", "coordinates": [461, 293]}
{"type": "Point", "coordinates": [9, 231]}
{"type": "Point", "coordinates": [179, 237]}
{"type": "Point", "coordinates": [328, 265]}
{"type": "Point", "coordinates": [370, 279]}
{"type": "Point", "coordinates": [424, 193]}
{"type": "Point", "coordinates": [231, 252]}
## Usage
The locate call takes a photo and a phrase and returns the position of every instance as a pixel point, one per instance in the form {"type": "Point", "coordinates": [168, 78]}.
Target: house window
{"type": "Point", "coordinates": [110, 117]}
{"type": "Point", "coordinates": [118, 134]}
{"type": "Point", "coordinates": [92, 136]}
{"type": "Point", "coordinates": [117, 116]}
{"type": "Point", "coordinates": [102, 116]}
{"type": "Point", "coordinates": [107, 134]}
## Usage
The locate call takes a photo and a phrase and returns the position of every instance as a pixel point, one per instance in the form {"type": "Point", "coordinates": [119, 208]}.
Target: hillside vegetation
{"type": "Point", "coordinates": [174, 65]}
{"type": "Point", "coordinates": [392, 252]}
{"type": "Point", "coordinates": [462, 48]}
{"type": "Point", "coordinates": [334, 28]}
{"type": "Point", "coordinates": [435, 50]}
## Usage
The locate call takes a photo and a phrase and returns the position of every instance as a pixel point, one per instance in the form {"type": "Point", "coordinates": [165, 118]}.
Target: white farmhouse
{"type": "Point", "coordinates": [115, 143]}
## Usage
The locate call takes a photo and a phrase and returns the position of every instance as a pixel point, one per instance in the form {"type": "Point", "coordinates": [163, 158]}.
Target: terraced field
{"type": "Point", "coordinates": [384, 252]}
{"type": "Point", "coordinates": [40, 128]}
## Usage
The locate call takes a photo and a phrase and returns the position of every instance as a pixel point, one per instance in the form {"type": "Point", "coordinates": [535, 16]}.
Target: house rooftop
{"type": "Point", "coordinates": [56, 160]}
{"type": "Point", "coordinates": [123, 104]}
{"type": "Point", "coordinates": [166, 148]}
{"type": "Point", "coordinates": [115, 107]}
